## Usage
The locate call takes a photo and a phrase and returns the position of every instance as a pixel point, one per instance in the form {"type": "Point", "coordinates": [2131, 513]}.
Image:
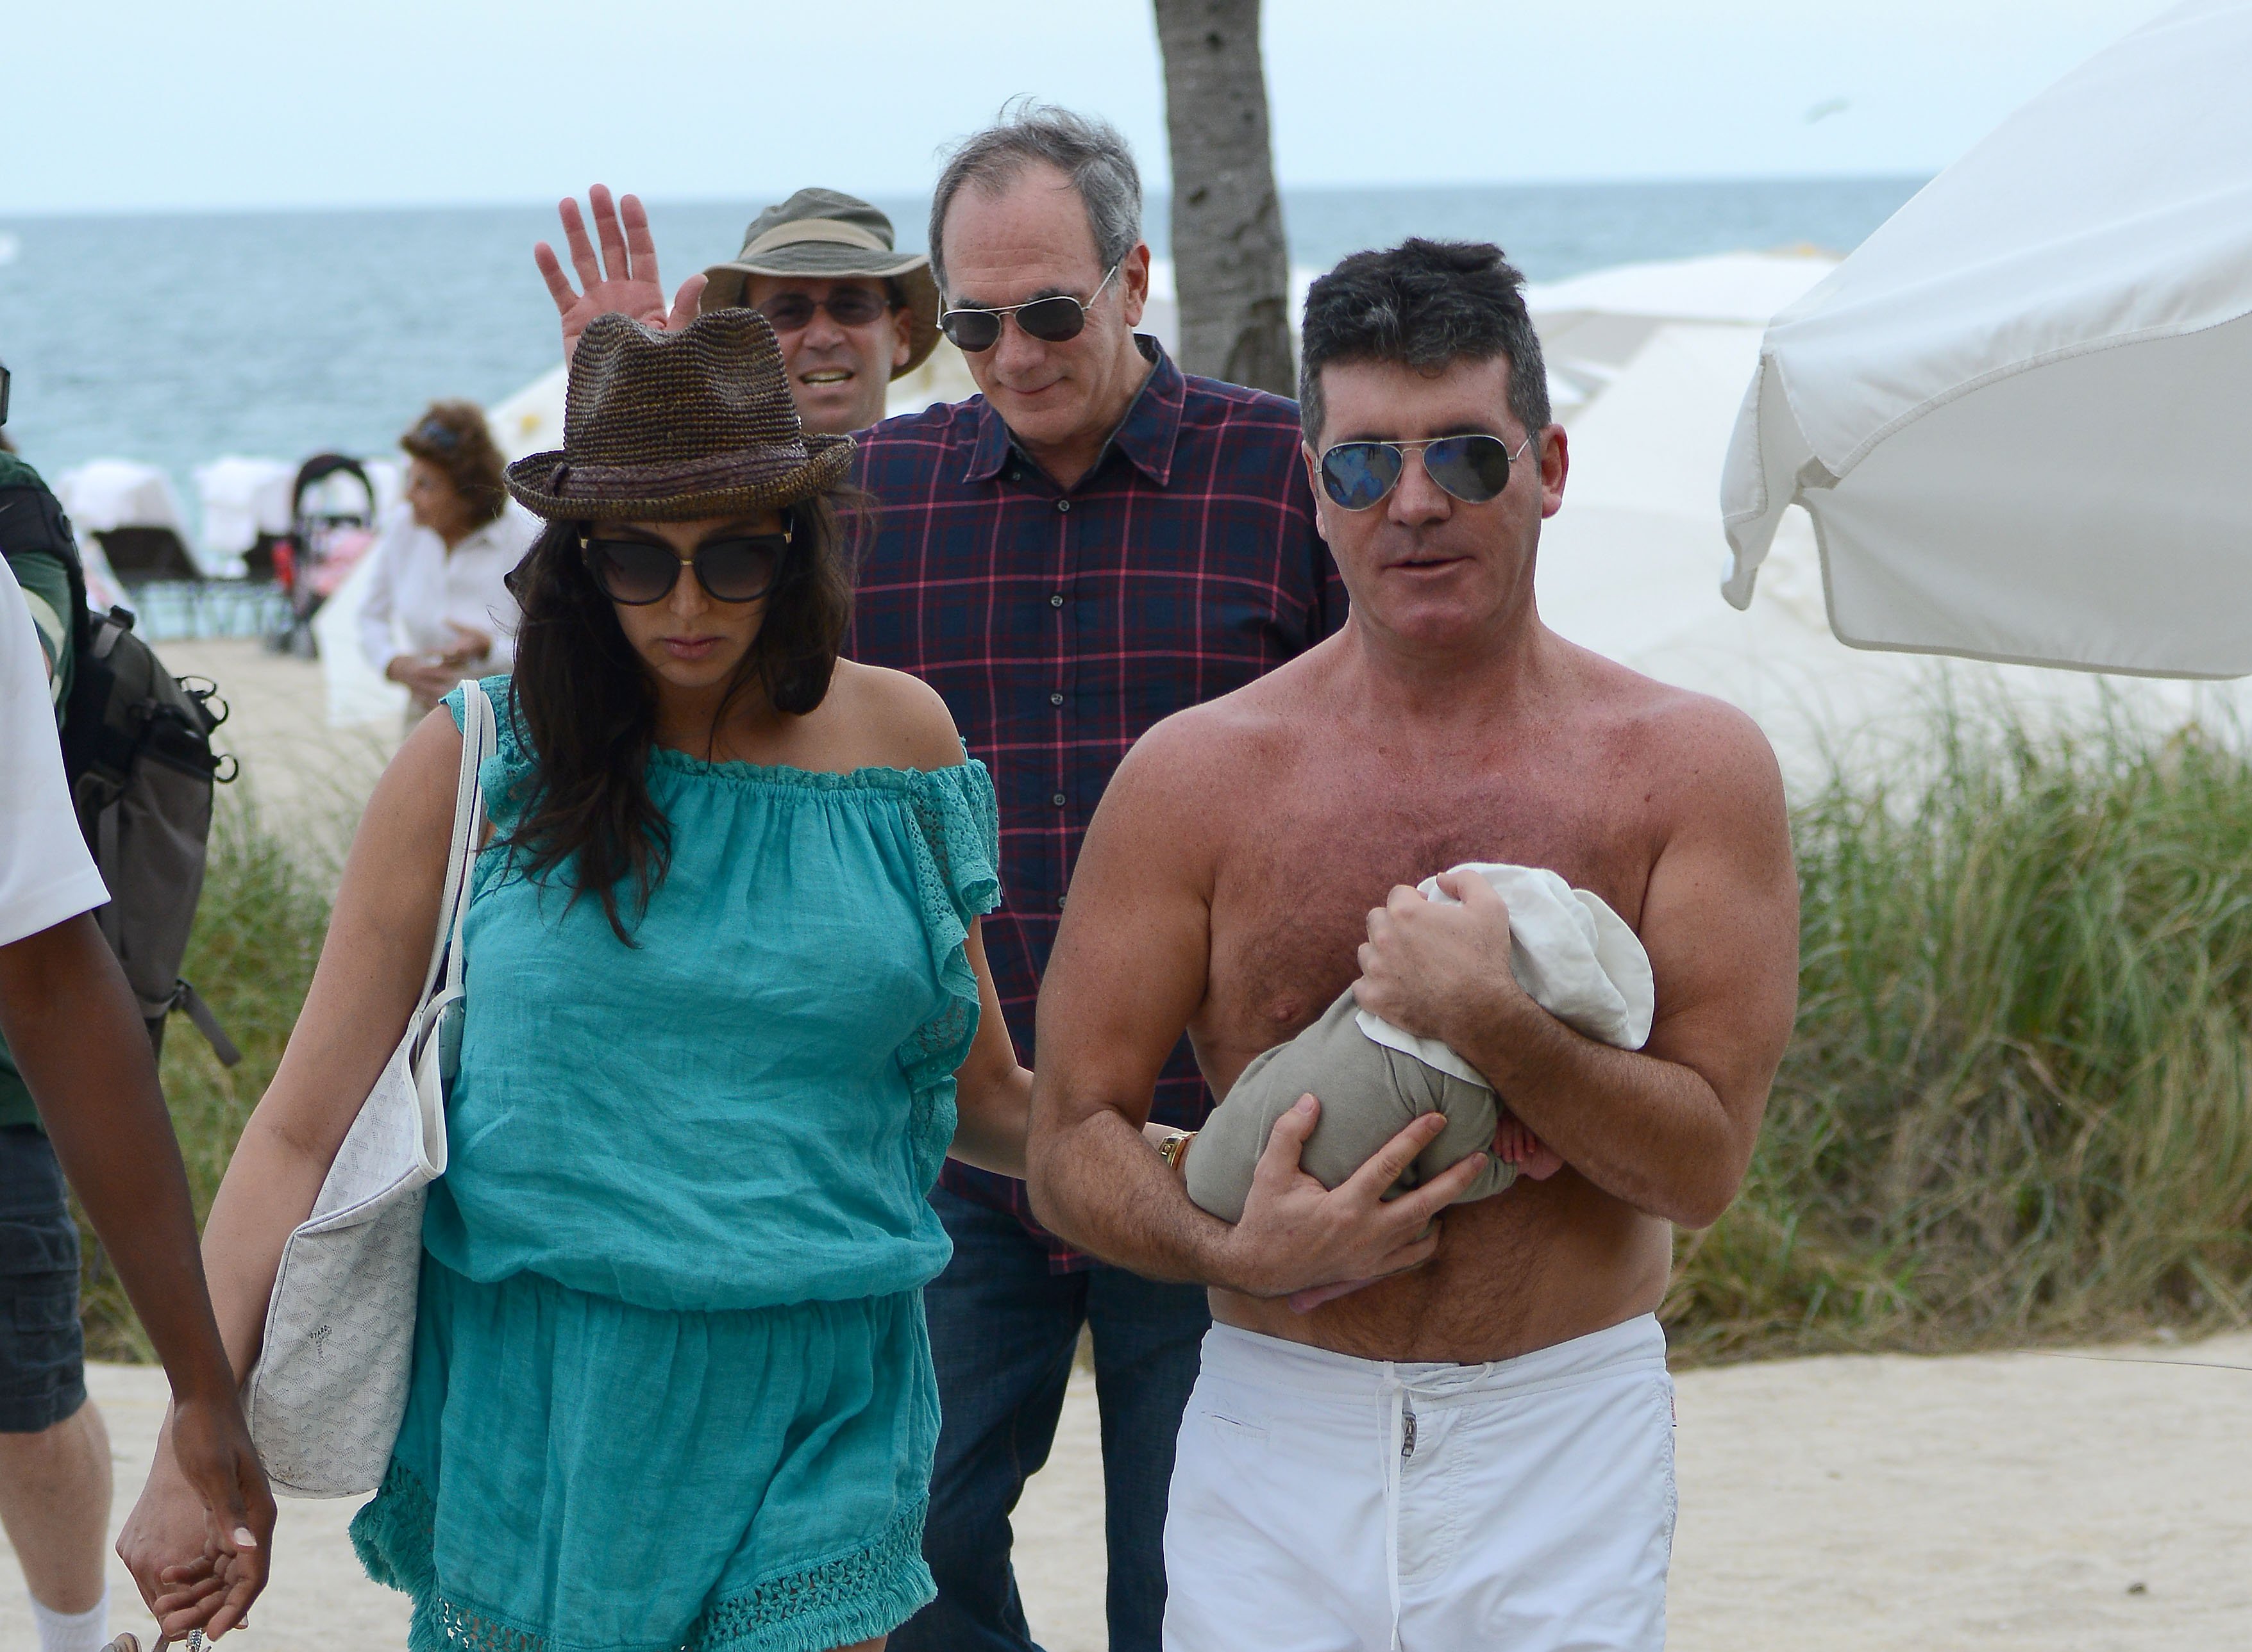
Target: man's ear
{"type": "Point", "coordinates": [1314, 482]}
{"type": "Point", "coordinates": [902, 337]}
{"type": "Point", "coordinates": [1134, 283]}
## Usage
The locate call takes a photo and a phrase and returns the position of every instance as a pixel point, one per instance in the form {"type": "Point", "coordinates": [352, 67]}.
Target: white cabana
{"type": "Point", "coordinates": [2018, 414]}
{"type": "Point", "coordinates": [1656, 356]}
{"type": "Point", "coordinates": [242, 499]}
{"type": "Point", "coordinates": [104, 495]}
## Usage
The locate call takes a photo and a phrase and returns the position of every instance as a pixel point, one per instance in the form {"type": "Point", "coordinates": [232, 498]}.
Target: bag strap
{"type": "Point", "coordinates": [478, 739]}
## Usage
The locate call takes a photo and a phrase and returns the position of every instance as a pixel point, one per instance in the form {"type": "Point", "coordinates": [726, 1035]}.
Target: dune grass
{"type": "Point", "coordinates": [258, 933]}
{"type": "Point", "coordinates": [2017, 1107]}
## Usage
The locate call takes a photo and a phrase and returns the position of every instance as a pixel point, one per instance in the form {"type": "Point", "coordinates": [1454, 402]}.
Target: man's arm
{"type": "Point", "coordinates": [1127, 973]}
{"type": "Point", "coordinates": [1668, 1129]}
{"type": "Point", "coordinates": [71, 1022]}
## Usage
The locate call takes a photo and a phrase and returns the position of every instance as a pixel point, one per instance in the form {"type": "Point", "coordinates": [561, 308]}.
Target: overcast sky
{"type": "Point", "coordinates": [151, 104]}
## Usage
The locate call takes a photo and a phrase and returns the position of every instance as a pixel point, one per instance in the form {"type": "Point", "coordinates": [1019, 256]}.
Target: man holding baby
{"type": "Point", "coordinates": [1418, 1425]}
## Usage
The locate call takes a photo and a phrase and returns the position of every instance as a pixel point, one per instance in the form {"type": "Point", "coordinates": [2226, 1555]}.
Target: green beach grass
{"type": "Point", "coordinates": [2017, 1107]}
{"type": "Point", "coordinates": [258, 933]}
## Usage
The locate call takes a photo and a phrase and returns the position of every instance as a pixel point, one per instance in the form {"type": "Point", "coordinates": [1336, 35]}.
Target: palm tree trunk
{"type": "Point", "coordinates": [1231, 267]}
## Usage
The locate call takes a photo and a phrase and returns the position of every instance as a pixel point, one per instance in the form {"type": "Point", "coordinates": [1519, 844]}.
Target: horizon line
{"type": "Point", "coordinates": [9, 215]}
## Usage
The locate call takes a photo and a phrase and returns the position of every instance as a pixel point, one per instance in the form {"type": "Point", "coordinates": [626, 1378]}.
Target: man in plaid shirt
{"type": "Point", "coordinates": [1097, 542]}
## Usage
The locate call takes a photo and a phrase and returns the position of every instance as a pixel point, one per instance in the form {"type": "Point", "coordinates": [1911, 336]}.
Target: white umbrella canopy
{"type": "Point", "coordinates": [2020, 415]}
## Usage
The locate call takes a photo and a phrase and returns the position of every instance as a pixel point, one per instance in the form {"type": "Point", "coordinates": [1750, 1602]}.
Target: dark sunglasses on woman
{"type": "Point", "coordinates": [847, 307]}
{"type": "Point", "coordinates": [732, 567]}
{"type": "Point", "coordinates": [1051, 319]}
{"type": "Point", "coordinates": [1358, 476]}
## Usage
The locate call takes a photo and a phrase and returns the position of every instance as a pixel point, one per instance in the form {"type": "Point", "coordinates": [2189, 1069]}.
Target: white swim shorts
{"type": "Point", "coordinates": [1324, 1504]}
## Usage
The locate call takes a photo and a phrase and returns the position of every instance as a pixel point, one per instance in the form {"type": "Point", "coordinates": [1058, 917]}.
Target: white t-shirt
{"type": "Point", "coordinates": [419, 593]}
{"type": "Point", "coordinates": [45, 874]}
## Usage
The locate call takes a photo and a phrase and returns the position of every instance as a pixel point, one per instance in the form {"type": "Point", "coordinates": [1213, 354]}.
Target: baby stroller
{"type": "Point", "coordinates": [331, 524]}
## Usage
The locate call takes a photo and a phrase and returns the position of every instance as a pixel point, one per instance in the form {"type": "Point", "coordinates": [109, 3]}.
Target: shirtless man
{"type": "Point", "coordinates": [1475, 1449]}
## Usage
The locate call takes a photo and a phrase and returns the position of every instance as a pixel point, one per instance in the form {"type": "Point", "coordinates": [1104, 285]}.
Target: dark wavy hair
{"type": "Point", "coordinates": [1423, 304]}
{"type": "Point", "coordinates": [452, 435]}
{"type": "Point", "coordinates": [584, 707]}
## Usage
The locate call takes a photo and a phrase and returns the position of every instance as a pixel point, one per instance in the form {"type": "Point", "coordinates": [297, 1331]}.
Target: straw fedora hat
{"type": "Point", "coordinates": [663, 427]}
{"type": "Point", "coordinates": [826, 234]}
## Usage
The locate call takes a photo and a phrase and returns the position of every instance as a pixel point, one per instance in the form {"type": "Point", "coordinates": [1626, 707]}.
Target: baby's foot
{"type": "Point", "coordinates": [1514, 1144]}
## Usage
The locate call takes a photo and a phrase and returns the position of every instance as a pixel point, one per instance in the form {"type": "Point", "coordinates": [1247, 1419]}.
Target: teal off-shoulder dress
{"type": "Point", "coordinates": [671, 1388]}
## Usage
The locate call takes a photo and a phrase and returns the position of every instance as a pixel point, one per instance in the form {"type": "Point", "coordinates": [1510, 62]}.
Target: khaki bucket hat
{"type": "Point", "coordinates": [663, 427]}
{"type": "Point", "coordinates": [826, 233]}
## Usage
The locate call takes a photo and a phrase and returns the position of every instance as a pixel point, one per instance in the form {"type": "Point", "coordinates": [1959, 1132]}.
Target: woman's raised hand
{"type": "Point", "coordinates": [622, 280]}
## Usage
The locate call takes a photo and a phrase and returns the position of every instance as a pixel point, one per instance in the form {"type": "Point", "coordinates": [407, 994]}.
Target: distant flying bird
{"type": "Point", "coordinates": [1827, 108]}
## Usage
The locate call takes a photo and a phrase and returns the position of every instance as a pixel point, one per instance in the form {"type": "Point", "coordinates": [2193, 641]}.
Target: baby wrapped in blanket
{"type": "Point", "coordinates": [1570, 952]}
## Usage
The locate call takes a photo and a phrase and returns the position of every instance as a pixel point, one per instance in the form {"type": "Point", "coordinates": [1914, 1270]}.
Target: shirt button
{"type": "Point", "coordinates": [1056, 602]}
{"type": "Point", "coordinates": [1063, 504]}
{"type": "Point", "coordinates": [1059, 800]}
{"type": "Point", "coordinates": [1055, 699]}
{"type": "Point", "coordinates": [1060, 900]}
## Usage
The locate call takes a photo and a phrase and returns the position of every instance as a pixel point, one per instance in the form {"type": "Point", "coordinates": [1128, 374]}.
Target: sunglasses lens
{"type": "Point", "coordinates": [1052, 320]}
{"type": "Point", "coordinates": [855, 307]}
{"type": "Point", "coordinates": [1356, 475]}
{"type": "Point", "coordinates": [1473, 468]}
{"type": "Point", "coordinates": [789, 312]}
{"type": "Point", "coordinates": [739, 570]}
{"type": "Point", "coordinates": [631, 571]}
{"type": "Point", "coordinates": [971, 330]}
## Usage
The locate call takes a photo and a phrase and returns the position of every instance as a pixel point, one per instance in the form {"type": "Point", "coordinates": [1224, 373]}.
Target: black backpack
{"type": "Point", "coordinates": [136, 747]}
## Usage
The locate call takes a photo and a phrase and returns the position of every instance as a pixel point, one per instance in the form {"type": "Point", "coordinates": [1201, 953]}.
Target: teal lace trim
{"type": "Point", "coordinates": [854, 1596]}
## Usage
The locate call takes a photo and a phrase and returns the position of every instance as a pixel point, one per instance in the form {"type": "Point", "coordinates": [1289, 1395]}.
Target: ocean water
{"type": "Point", "coordinates": [176, 340]}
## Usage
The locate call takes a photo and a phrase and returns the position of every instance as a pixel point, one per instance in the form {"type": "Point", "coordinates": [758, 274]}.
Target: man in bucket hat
{"type": "Point", "coordinates": [852, 314]}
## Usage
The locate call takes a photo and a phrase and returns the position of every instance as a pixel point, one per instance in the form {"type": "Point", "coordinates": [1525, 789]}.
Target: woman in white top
{"type": "Point", "coordinates": [438, 608]}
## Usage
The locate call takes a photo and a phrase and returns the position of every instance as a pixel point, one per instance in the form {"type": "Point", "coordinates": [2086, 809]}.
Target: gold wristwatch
{"type": "Point", "coordinates": [1175, 1147]}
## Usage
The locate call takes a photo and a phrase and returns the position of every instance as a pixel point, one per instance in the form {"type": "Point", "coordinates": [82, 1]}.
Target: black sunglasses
{"type": "Point", "coordinates": [1051, 319]}
{"type": "Point", "coordinates": [1358, 475]}
{"type": "Point", "coordinates": [847, 307]}
{"type": "Point", "coordinates": [733, 567]}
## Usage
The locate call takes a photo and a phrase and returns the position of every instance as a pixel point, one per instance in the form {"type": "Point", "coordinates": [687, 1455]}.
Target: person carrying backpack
{"type": "Point", "coordinates": [66, 1011]}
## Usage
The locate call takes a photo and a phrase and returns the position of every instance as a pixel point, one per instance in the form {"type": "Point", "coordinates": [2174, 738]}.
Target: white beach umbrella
{"type": "Point", "coordinates": [2020, 415]}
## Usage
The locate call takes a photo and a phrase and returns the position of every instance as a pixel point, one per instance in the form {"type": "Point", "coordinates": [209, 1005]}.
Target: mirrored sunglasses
{"type": "Point", "coordinates": [1051, 319]}
{"type": "Point", "coordinates": [732, 568]}
{"type": "Point", "coordinates": [1358, 475]}
{"type": "Point", "coordinates": [847, 307]}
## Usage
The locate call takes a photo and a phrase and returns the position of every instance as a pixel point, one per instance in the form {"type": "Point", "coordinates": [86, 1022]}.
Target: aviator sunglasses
{"type": "Point", "coordinates": [1051, 319]}
{"type": "Point", "coordinates": [847, 307]}
{"type": "Point", "coordinates": [1358, 475]}
{"type": "Point", "coordinates": [732, 567]}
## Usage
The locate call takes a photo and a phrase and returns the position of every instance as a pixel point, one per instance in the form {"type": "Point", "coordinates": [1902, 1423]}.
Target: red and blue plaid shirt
{"type": "Point", "coordinates": [1058, 625]}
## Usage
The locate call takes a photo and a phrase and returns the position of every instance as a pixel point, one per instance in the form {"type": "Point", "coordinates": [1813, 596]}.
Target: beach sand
{"type": "Point", "coordinates": [2002, 1503]}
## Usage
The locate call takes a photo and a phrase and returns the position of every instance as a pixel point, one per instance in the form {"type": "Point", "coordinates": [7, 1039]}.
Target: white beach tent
{"type": "Point", "coordinates": [2020, 415]}
{"type": "Point", "coordinates": [1646, 368]}
{"type": "Point", "coordinates": [242, 499]}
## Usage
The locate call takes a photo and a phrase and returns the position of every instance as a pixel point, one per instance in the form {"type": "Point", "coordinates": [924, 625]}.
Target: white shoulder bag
{"type": "Point", "coordinates": [324, 1400]}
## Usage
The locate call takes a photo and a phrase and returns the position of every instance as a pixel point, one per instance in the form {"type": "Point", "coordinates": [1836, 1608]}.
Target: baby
{"type": "Point", "coordinates": [1574, 956]}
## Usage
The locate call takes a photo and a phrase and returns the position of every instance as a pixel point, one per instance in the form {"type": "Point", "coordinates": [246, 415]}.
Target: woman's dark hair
{"type": "Point", "coordinates": [586, 710]}
{"type": "Point", "coordinates": [452, 435]}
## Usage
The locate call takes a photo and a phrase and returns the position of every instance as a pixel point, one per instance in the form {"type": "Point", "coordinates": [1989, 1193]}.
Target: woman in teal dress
{"type": "Point", "coordinates": [726, 1011]}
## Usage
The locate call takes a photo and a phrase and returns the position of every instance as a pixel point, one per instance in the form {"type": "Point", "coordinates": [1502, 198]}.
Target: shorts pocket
{"type": "Point", "coordinates": [44, 1310]}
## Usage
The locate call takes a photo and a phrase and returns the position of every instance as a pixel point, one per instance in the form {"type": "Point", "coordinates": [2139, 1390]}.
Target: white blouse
{"type": "Point", "coordinates": [417, 593]}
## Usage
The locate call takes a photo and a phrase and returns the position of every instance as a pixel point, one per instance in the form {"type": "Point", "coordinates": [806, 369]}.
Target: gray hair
{"type": "Point", "coordinates": [1090, 152]}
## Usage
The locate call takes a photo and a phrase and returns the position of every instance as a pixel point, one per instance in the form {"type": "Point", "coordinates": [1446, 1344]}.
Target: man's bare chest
{"type": "Point", "coordinates": [1312, 855]}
